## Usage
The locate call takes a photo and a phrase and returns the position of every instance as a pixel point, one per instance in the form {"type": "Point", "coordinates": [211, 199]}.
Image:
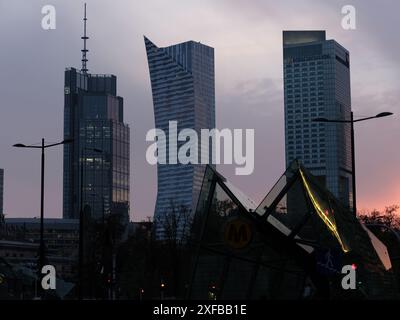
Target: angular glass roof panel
{"type": "Point", "coordinates": [286, 231]}
{"type": "Point", "coordinates": [380, 249]}
{"type": "Point", "coordinates": [324, 211]}
{"type": "Point", "coordinates": [277, 189]}
{"type": "Point", "coordinates": [245, 200]}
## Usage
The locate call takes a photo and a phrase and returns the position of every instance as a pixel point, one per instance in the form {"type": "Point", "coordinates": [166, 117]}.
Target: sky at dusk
{"type": "Point", "coordinates": [247, 37]}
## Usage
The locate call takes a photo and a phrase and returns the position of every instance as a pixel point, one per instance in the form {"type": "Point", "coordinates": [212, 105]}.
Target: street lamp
{"type": "Point", "coordinates": [353, 162]}
{"type": "Point", "coordinates": [81, 218]}
{"type": "Point", "coordinates": [43, 146]}
{"type": "Point", "coordinates": [99, 235]}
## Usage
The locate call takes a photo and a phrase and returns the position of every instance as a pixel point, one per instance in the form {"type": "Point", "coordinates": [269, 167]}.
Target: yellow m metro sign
{"type": "Point", "coordinates": [237, 233]}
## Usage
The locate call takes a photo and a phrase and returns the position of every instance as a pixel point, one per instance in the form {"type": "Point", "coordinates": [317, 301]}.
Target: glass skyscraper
{"type": "Point", "coordinates": [183, 88]}
{"type": "Point", "coordinates": [317, 84]}
{"type": "Point", "coordinates": [94, 118]}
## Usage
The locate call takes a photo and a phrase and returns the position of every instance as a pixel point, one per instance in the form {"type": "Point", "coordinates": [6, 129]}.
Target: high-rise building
{"type": "Point", "coordinates": [183, 88]}
{"type": "Point", "coordinates": [317, 84]}
{"type": "Point", "coordinates": [1, 190]}
{"type": "Point", "coordinates": [98, 158]}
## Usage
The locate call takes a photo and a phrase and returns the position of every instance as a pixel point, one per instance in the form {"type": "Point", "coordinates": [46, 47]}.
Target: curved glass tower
{"type": "Point", "coordinates": [183, 89]}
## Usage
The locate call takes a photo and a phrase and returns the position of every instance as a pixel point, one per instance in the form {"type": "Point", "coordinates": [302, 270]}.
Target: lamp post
{"type": "Point", "coordinates": [43, 146]}
{"type": "Point", "coordinates": [99, 236]}
{"type": "Point", "coordinates": [81, 219]}
{"type": "Point", "coordinates": [353, 161]}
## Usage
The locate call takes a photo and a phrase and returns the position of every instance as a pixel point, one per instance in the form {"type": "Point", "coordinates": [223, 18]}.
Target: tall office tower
{"type": "Point", "coordinates": [98, 159]}
{"type": "Point", "coordinates": [1, 190]}
{"type": "Point", "coordinates": [183, 88]}
{"type": "Point", "coordinates": [317, 84]}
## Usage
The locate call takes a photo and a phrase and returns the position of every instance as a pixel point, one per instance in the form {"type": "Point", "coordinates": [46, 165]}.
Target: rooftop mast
{"type": "Point", "coordinates": [84, 50]}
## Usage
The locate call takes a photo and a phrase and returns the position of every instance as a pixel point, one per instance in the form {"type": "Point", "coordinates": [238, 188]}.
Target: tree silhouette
{"type": "Point", "coordinates": [389, 217]}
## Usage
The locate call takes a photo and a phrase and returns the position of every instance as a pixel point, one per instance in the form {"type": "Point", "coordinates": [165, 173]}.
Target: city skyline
{"type": "Point", "coordinates": [248, 96]}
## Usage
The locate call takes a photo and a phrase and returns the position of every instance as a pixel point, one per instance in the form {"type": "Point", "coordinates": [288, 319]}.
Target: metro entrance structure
{"type": "Point", "coordinates": [293, 245]}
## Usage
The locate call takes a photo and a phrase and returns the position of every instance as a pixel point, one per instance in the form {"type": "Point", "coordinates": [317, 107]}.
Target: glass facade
{"type": "Point", "coordinates": [93, 117]}
{"type": "Point", "coordinates": [183, 88]}
{"type": "Point", "coordinates": [317, 84]}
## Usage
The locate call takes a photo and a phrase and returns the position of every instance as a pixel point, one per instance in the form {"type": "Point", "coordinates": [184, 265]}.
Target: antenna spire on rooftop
{"type": "Point", "coordinates": [84, 50]}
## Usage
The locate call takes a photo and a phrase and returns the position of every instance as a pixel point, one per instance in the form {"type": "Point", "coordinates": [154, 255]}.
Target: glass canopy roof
{"type": "Point", "coordinates": [298, 218]}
